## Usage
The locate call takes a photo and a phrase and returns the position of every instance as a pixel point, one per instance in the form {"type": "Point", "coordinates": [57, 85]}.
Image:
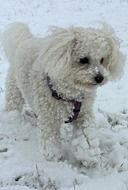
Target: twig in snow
{"type": "Point", "coordinates": [41, 184]}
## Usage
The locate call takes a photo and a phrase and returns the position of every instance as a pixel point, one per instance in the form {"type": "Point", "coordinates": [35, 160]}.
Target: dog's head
{"type": "Point", "coordinates": [84, 57]}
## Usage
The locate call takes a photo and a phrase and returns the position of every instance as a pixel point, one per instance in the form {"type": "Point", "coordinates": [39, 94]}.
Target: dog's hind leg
{"type": "Point", "coordinates": [13, 96]}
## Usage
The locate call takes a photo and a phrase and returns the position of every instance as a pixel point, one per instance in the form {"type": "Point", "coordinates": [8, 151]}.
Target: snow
{"type": "Point", "coordinates": [22, 167]}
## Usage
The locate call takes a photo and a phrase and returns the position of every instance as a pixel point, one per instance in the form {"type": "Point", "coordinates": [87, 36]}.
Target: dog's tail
{"type": "Point", "coordinates": [13, 36]}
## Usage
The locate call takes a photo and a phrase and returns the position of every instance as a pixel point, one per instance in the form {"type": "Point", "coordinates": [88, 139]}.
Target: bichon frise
{"type": "Point", "coordinates": [57, 76]}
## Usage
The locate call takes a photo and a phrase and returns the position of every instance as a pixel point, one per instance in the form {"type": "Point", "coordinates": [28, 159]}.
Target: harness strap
{"type": "Point", "coordinates": [76, 104]}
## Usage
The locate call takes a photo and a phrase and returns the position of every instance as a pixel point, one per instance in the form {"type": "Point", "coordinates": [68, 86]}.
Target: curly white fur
{"type": "Point", "coordinates": [58, 55]}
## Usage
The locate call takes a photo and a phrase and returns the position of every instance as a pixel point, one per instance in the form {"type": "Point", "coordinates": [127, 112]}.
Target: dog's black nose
{"type": "Point", "coordinates": [99, 78]}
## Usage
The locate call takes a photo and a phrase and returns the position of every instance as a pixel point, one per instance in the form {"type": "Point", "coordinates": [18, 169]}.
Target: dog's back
{"type": "Point", "coordinates": [13, 36]}
{"type": "Point", "coordinates": [22, 50]}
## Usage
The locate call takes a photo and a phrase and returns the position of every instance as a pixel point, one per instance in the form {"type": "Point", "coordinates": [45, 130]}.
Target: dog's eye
{"type": "Point", "coordinates": [84, 60]}
{"type": "Point", "coordinates": [102, 60]}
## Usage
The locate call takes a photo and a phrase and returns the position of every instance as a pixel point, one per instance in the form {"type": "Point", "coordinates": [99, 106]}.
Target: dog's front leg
{"type": "Point", "coordinates": [44, 107]}
{"type": "Point", "coordinates": [49, 139]}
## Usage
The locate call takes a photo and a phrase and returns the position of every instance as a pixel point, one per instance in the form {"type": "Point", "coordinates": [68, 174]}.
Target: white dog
{"type": "Point", "coordinates": [57, 76]}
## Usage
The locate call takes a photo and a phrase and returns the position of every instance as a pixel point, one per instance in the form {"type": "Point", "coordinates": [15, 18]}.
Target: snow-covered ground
{"type": "Point", "coordinates": [22, 167]}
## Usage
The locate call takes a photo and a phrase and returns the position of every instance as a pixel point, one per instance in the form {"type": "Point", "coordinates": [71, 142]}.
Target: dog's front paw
{"type": "Point", "coordinates": [86, 149]}
{"type": "Point", "coordinates": [50, 151]}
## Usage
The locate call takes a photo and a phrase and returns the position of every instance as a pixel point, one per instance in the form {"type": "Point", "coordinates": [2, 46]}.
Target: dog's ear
{"type": "Point", "coordinates": [57, 54]}
{"type": "Point", "coordinates": [116, 58]}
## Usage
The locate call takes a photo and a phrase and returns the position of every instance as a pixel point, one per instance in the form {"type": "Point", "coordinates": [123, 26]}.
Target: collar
{"type": "Point", "coordinates": [76, 104]}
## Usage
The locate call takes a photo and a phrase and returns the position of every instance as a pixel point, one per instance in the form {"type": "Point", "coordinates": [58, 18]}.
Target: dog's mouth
{"type": "Point", "coordinates": [84, 83]}
{"type": "Point", "coordinates": [87, 83]}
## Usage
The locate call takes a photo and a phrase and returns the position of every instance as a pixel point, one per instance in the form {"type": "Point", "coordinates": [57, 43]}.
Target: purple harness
{"type": "Point", "coordinates": [76, 104]}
